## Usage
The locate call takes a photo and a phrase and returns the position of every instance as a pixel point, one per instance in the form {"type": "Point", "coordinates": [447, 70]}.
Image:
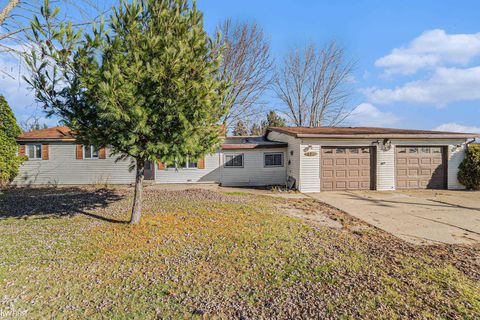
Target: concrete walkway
{"type": "Point", "coordinates": [420, 216]}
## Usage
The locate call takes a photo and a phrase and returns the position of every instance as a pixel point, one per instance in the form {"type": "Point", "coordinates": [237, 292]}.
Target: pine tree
{"type": "Point", "coordinates": [256, 130]}
{"type": "Point", "coordinates": [9, 131]}
{"type": "Point", "coordinates": [273, 120]}
{"type": "Point", "coordinates": [240, 129]}
{"type": "Point", "coordinates": [149, 88]}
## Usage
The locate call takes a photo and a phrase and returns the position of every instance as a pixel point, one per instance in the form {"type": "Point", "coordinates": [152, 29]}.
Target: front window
{"type": "Point", "coordinates": [189, 164]}
{"type": "Point", "coordinates": [34, 151]}
{"type": "Point", "coordinates": [273, 159]}
{"type": "Point", "coordinates": [234, 160]}
{"type": "Point", "coordinates": [90, 152]}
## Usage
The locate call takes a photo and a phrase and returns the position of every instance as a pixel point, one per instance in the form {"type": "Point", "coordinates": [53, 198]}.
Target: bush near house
{"type": "Point", "coordinates": [469, 174]}
{"type": "Point", "coordinates": [9, 131]}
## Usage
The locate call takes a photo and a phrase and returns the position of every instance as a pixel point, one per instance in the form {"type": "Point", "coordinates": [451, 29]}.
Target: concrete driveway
{"type": "Point", "coordinates": [419, 216]}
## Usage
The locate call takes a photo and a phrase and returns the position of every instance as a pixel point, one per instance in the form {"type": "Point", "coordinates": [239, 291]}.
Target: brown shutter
{"type": "Point", "coordinates": [21, 150]}
{"type": "Point", "coordinates": [79, 152]}
{"type": "Point", "coordinates": [44, 151]}
{"type": "Point", "coordinates": [102, 154]}
{"type": "Point", "coordinates": [161, 166]}
{"type": "Point", "coordinates": [201, 163]}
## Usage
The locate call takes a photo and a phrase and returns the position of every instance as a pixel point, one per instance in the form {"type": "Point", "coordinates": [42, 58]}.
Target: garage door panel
{"type": "Point", "coordinates": [426, 172]}
{"type": "Point", "coordinates": [341, 185]}
{"type": "Point", "coordinates": [327, 162]}
{"type": "Point", "coordinates": [420, 167]}
{"type": "Point", "coordinates": [426, 161]}
{"type": "Point", "coordinates": [354, 185]}
{"type": "Point", "coordinates": [353, 162]}
{"type": "Point", "coordinates": [340, 173]}
{"type": "Point", "coordinates": [327, 173]}
{"type": "Point", "coordinates": [413, 161]}
{"type": "Point", "coordinates": [349, 168]}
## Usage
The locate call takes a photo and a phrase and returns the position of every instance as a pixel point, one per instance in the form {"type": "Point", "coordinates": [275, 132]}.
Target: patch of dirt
{"type": "Point", "coordinates": [464, 257]}
{"type": "Point", "coordinates": [317, 218]}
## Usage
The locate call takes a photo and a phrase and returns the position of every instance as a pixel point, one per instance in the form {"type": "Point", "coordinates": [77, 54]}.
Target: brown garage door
{"type": "Point", "coordinates": [346, 168]}
{"type": "Point", "coordinates": [420, 167]}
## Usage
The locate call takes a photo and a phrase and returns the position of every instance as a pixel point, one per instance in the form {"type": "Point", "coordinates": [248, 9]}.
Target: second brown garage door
{"type": "Point", "coordinates": [420, 167]}
{"type": "Point", "coordinates": [345, 168]}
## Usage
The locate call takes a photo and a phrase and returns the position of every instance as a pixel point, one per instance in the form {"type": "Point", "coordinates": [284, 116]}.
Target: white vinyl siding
{"type": "Point", "coordinates": [210, 174]}
{"type": "Point", "coordinates": [253, 172]}
{"type": "Point", "coordinates": [63, 168]}
{"type": "Point", "coordinates": [292, 159]}
{"type": "Point", "coordinates": [385, 168]}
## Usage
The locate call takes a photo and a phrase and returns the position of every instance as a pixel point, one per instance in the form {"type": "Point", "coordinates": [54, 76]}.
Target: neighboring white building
{"type": "Point", "coordinates": [310, 159]}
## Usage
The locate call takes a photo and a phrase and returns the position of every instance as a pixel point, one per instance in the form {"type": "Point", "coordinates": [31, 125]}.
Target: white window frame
{"type": "Point", "coordinates": [233, 155]}
{"type": "Point", "coordinates": [92, 148]}
{"type": "Point", "coordinates": [265, 154]}
{"type": "Point", "coordinates": [186, 167]}
{"type": "Point", "coordinates": [35, 147]}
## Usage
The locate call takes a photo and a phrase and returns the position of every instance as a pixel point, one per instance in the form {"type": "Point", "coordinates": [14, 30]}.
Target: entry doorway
{"type": "Point", "coordinates": [149, 170]}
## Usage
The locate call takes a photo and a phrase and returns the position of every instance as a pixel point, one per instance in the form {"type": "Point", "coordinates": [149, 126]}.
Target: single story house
{"type": "Point", "coordinates": [308, 159]}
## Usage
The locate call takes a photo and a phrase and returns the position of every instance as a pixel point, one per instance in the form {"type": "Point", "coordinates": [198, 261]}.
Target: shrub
{"type": "Point", "coordinates": [9, 131]}
{"type": "Point", "coordinates": [469, 174]}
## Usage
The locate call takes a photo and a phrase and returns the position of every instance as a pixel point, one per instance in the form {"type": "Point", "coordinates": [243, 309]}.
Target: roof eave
{"type": "Point", "coordinates": [252, 146]}
{"type": "Point", "coordinates": [388, 136]}
{"type": "Point", "coordinates": [45, 140]}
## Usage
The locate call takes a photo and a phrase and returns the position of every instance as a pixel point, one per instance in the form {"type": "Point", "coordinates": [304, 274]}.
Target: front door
{"type": "Point", "coordinates": [149, 170]}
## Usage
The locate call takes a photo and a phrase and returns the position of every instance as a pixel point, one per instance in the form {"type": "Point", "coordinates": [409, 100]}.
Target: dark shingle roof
{"type": "Point", "coordinates": [360, 132]}
{"type": "Point", "coordinates": [253, 142]}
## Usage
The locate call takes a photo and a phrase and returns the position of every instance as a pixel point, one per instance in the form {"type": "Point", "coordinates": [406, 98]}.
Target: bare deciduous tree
{"type": "Point", "coordinates": [246, 59]}
{"type": "Point", "coordinates": [314, 85]}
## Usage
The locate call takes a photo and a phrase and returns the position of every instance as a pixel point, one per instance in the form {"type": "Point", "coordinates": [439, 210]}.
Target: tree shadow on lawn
{"type": "Point", "coordinates": [47, 202]}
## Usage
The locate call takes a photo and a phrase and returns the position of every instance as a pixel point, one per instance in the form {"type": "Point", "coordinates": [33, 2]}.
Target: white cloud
{"type": "Point", "coordinates": [446, 85]}
{"type": "Point", "coordinates": [366, 114]}
{"type": "Point", "coordinates": [455, 127]}
{"type": "Point", "coordinates": [432, 48]}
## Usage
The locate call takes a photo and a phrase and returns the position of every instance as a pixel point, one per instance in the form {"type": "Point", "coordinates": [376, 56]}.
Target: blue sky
{"type": "Point", "coordinates": [418, 62]}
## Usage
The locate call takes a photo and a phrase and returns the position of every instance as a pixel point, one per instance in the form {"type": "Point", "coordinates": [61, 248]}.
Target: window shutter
{"type": "Point", "coordinates": [21, 150]}
{"type": "Point", "coordinates": [161, 166]}
{"type": "Point", "coordinates": [102, 154]}
{"type": "Point", "coordinates": [44, 151]}
{"type": "Point", "coordinates": [201, 163]}
{"type": "Point", "coordinates": [79, 152]}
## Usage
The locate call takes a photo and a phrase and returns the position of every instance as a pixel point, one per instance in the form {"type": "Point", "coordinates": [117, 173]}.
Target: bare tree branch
{"type": "Point", "coordinates": [7, 9]}
{"type": "Point", "coordinates": [313, 84]}
{"type": "Point", "coordinates": [247, 61]}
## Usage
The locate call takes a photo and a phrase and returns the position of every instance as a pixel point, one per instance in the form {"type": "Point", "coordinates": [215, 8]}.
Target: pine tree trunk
{"type": "Point", "coordinates": [137, 198]}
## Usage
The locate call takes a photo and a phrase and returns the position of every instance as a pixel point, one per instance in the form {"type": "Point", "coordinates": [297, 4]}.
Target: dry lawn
{"type": "Point", "coordinates": [66, 253]}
